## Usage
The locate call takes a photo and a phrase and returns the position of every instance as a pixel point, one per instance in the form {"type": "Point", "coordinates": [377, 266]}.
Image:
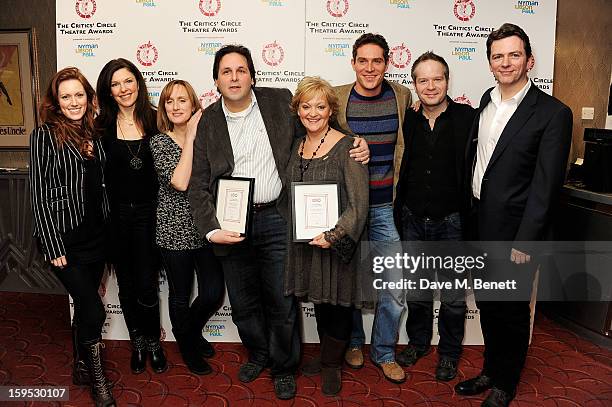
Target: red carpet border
{"type": "Point", "coordinates": [562, 370]}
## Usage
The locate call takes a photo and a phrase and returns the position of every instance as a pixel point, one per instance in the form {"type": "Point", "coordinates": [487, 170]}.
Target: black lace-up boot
{"type": "Point", "coordinates": [100, 385]}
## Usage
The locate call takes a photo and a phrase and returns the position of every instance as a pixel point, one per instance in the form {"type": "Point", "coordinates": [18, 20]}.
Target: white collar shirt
{"type": "Point", "coordinates": [493, 119]}
{"type": "Point", "coordinates": [253, 157]}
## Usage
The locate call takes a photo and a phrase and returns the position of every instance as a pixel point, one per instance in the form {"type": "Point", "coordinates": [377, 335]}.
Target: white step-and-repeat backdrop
{"type": "Point", "coordinates": [177, 39]}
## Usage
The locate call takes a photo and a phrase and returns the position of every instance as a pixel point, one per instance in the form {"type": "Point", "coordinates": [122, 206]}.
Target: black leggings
{"type": "Point", "coordinates": [82, 282]}
{"type": "Point", "coordinates": [180, 266]}
{"type": "Point", "coordinates": [137, 267]}
{"type": "Point", "coordinates": [334, 320]}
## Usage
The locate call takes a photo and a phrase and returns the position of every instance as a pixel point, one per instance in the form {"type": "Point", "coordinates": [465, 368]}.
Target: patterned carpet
{"type": "Point", "coordinates": [562, 370]}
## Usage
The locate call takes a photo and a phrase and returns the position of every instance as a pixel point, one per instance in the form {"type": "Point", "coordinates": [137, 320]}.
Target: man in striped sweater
{"type": "Point", "coordinates": [373, 108]}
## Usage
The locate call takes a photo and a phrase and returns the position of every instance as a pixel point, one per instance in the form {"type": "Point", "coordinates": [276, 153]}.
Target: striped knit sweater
{"type": "Point", "coordinates": [375, 118]}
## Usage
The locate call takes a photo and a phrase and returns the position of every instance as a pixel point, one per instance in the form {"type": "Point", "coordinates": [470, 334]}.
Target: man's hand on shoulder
{"type": "Point", "coordinates": [226, 237]}
{"type": "Point", "coordinates": [360, 151]}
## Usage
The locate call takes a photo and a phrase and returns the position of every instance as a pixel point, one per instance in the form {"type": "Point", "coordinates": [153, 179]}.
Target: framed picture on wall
{"type": "Point", "coordinates": [19, 93]}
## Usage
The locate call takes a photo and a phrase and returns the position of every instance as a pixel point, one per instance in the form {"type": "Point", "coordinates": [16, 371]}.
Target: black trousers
{"type": "Point", "coordinates": [505, 318]}
{"type": "Point", "coordinates": [334, 320]}
{"type": "Point", "coordinates": [180, 266]}
{"type": "Point", "coordinates": [137, 267]}
{"type": "Point", "coordinates": [82, 282]}
{"type": "Point", "coordinates": [505, 329]}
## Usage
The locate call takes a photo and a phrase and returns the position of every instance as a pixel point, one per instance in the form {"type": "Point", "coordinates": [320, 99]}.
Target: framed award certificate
{"type": "Point", "coordinates": [315, 208]}
{"type": "Point", "coordinates": [234, 198]}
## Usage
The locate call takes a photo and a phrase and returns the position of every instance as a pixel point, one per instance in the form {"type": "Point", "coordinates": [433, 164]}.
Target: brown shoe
{"type": "Point", "coordinates": [392, 371]}
{"type": "Point", "coordinates": [354, 358]}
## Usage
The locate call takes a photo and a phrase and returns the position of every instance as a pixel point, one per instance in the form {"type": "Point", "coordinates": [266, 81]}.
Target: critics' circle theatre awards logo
{"type": "Point", "coordinates": [400, 56]}
{"type": "Point", "coordinates": [337, 8]}
{"type": "Point", "coordinates": [210, 8]}
{"type": "Point", "coordinates": [463, 99]}
{"type": "Point", "coordinates": [208, 98]}
{"type": "Point", "coordinates": [85, 8]}
{"type": "Point", "coordinates": [464, 9]}
{"type": "Point", "coordinates": [273, 54]}
{"type": "Point", "coordinates": [147, 54]}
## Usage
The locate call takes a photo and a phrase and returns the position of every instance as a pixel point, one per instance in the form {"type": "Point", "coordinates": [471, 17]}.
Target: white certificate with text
{"type": "Point", "coordinates": [315, 208]}
{"type": "Point", "coordinates": [234, 196]}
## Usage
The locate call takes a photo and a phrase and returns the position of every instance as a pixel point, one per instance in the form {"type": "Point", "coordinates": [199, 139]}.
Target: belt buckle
{"type": "Point", "coordinates": [261, 206]}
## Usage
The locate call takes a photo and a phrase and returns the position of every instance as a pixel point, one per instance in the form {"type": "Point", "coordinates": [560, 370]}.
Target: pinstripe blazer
{"type": "Point", "coordinates": [56, 189]}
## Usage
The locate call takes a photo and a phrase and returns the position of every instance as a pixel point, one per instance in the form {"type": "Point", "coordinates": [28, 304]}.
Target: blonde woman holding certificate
{"type": "Point", "coordinates": [324, 269]}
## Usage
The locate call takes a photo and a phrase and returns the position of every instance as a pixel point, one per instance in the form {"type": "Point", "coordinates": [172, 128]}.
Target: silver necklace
{"type": "Point", "coordinates": [135, 161]}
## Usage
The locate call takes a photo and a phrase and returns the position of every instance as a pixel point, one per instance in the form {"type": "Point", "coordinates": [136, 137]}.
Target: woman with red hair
{"type": "Point", "coordinates": [71, 211]}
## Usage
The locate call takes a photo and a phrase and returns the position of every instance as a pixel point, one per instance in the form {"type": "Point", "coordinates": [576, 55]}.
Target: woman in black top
{"type": "Point", "coordinates": [127, 120]}
{"type": "Point", "coordinates": [70, 214]}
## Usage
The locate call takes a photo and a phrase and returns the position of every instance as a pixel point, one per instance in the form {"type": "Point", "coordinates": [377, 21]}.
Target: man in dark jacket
{"type": "Point", "coordinates": [428, 205]}
{"type": "Point", "coordinates": [517, 155]}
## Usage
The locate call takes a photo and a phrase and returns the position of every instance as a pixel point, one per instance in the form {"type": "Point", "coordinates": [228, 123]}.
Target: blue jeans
{"type": "Point", "coordinates": [384, 241]}
{"type": "Point", "coordinates": [254, 275]}
{"type": "Point", "coordinates": [451, 319]}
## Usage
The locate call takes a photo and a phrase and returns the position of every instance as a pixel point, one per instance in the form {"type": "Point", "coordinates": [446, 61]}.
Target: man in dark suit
{"type": "Point", "coordinates": [428, 205]}
{"type": "Point", "coordinates": [248, 132]}
{"type": "Point", "coordinates": [518, 152]}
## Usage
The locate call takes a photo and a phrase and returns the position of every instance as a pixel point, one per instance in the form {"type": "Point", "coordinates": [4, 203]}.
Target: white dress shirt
{"type": "Point", "coordinates": [253, 157]}
{"type": "Point", "coordinates": [491, 124]}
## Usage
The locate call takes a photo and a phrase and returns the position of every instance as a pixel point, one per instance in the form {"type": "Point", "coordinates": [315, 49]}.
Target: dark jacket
{"type": "Point", "coordinates": [462, 118]}
{"type": "Point", "coordinates": [526, 170]}
{"type": "Point", "coordinates": [213, 156]}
